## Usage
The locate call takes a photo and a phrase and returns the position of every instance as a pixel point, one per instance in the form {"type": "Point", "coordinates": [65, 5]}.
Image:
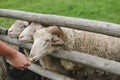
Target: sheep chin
{"type": "Point", "coordinates": [35, 58]}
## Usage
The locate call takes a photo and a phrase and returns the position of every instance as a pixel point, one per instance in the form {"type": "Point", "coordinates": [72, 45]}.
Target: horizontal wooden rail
{"type": "Point", "coordinates": [76, 23]}
{"type": "Point", "coordinates": [46, 73]}
{"type": "Point", "coordinates": [74, 56]}
{"type": "Point", "coordinates": [49, 74]}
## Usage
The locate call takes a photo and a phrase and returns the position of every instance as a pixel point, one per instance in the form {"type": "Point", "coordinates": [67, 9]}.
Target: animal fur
{"type": "Point", "coordinates": [88, 42]}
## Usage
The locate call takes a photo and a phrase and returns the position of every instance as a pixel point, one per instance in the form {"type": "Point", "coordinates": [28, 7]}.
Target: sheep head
{"type": "Point", "coordinates": [27, 33]}
{"type": "Point", "coordinates": [17, 27]}
{"type": "Point", "coordinates": [46, 41]}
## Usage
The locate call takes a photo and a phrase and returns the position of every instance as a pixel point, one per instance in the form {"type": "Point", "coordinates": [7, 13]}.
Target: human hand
{"type": "Point", "coordinates": [19, 61]}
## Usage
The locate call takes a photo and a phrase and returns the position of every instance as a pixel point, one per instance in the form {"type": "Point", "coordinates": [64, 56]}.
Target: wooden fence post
{"type": "Point", "coordinates": [3, 70]}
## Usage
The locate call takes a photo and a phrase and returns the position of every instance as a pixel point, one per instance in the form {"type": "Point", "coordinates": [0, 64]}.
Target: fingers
{"type": "Point", "coordinates": [24, 67]}
{"type": "Point", "coordinates": [20, 61]}
{"type": "Point", "coordinates": [28, 62]}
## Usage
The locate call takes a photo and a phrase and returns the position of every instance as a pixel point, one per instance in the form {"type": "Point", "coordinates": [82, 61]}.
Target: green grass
{"type": "Point", "coordinates": [103, 10]}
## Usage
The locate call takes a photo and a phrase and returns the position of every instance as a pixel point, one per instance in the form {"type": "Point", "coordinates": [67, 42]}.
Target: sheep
{"type": "Point", "coordinates": [14, 31]}
{"type": "Point", "coordinates": [56, 44]}
{"type": "Point", "coordinates": [17, 27]}
{"type": "Point", "coordinates": [27, 34]}
{"type": "Point", "coordinates": [54, 38]}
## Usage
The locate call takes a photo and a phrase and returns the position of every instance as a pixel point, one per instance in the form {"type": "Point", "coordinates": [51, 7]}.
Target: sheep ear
{"type": "Point", "coordinates": [57, 41]}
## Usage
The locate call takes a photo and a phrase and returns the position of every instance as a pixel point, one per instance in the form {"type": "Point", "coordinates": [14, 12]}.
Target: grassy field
{"type": "Point", "coordinates": [105, 10]}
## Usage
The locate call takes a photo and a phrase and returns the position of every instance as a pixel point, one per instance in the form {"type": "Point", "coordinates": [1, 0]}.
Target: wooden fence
{"type": "Point", "coordinates": [106, 28]}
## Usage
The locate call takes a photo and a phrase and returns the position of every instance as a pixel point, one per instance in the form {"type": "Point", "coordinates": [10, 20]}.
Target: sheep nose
{"type": "Point", "coordinates": [10, 31]}
{"type": "Point", "coordinates": [21, 36]}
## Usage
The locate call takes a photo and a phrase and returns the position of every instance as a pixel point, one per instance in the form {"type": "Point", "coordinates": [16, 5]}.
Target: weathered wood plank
{"type": "Point", "coordinates": [49, 74]}
{"type": "Point", "coordinates": [3, 70]}
{"type": "Point", "coordinates": [15, 41]}
{"type": "Point", "coordinates": [89, 60]}
{"type": "Point", "coordinates": [76, 23]}
{"type": "Point", "coordinates": [3, 31]}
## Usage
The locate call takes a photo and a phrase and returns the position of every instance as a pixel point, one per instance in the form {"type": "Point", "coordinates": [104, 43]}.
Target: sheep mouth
{"type": "Point", "coordinates": [33, 59]}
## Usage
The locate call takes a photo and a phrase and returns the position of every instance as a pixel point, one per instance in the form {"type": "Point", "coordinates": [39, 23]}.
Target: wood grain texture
{"type": "Point", "coordinates": [76, 23]}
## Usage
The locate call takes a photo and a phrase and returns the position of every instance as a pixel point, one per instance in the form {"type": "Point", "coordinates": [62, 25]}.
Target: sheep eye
{"type": "Point", "coordinates": [34, 31]}
{"type": "Point", "coordinates": [47, 40]}
{"type": "Point", "coordinates": [24, 26]}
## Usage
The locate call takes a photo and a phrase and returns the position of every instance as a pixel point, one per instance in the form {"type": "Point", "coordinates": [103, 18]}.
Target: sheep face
{"type": "Point", "coordinates": [27, 34]}
{"type": "Point", "coordinates": [17, 27]}
{"type": "Point", "coordinates": [44, 43]}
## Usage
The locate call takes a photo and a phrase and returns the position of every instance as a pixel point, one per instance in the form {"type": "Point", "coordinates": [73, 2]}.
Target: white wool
{"type": "Point", "coordinates": [88, 42]}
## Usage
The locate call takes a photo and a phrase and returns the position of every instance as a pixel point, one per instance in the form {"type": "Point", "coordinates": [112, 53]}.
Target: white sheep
{"type": "Point", "coordinates": [92, 43]}
{"type": "Point", "coordinates": [27, 34]}
{"type": "Point", "coordinates": [55, 38]}
{"type": "Point", "coordinates": [52, 43]}
{"type": "Point", "coordinates": [17, 27]}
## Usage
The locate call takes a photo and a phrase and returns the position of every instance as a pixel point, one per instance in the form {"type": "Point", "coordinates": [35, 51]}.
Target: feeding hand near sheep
{"type": "Point", "coordinates": [27, 36]}
{"type": "Point", "coordinates": [17, 27]}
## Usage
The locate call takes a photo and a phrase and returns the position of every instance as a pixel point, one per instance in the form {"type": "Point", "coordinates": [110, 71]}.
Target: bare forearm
{"type": "Point", "coordinates": [17, 59]}
{"type": "Point", "coordinates": [6, 51]}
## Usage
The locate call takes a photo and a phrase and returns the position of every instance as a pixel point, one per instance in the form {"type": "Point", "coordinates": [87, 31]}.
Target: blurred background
{"type": "Point", "coordinates": [102, 10]}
